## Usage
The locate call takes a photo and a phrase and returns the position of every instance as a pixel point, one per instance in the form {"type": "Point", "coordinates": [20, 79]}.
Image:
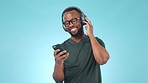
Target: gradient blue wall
{"type": "Point", "coordinates": [28, 29]}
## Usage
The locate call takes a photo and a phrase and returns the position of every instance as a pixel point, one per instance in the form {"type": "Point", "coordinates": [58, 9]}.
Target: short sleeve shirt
{"type": "Point", "coordinates": [80, 66]}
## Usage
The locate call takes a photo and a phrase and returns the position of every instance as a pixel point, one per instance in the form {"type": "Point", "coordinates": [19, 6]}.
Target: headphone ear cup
{"type": "Point", "coordinates": [64, 28]}
{"type": "Point", "coordinates": [83, 19]}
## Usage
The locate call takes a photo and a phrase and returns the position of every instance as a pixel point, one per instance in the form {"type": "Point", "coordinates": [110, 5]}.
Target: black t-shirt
{"type": "Point", "coordinates": [80, 66]}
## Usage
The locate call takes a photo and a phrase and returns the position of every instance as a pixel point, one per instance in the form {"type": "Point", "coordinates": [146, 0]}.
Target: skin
{"type": "Point", "coordinates": [100, 53]}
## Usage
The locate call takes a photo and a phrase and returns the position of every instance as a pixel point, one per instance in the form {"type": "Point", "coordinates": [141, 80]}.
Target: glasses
{"type": "Point", "coordinates": [73, 21]}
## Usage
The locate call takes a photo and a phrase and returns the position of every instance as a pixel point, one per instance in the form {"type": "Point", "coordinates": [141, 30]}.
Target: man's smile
{"type": "Point", "coordinates": [73, 29]}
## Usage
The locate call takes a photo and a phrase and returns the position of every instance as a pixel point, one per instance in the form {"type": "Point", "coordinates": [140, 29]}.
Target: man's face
{"type": "Point", "coordinates": [72, 22]}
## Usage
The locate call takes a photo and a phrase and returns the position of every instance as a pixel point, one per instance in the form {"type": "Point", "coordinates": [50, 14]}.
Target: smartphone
{"type": "Point", "coordinates": [58, 46]}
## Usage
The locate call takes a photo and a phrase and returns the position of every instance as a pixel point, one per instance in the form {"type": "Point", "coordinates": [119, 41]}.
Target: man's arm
{"type": "Point", "coordinates": [58, 73]}
{"type": "Point", "coordinates": [100, 53]}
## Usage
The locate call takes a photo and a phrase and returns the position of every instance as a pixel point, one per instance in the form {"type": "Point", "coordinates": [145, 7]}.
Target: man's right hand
{"type": "Point", "coordinates": [61, 56]}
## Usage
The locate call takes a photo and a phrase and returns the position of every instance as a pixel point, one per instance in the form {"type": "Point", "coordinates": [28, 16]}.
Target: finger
{"type": "Point", "coordinates": [55, 52]}
{"type": "Point", "coordinates": [62, 52]}
{"type": "Point", "coordinates": [87, 20]}
{"type": "Point", "coordinates": [63, 57]}
{"type": "Point", "coordinates": [67, 55]}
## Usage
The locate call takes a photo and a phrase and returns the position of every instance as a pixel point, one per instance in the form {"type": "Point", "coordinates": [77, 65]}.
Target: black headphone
{"type": "Point", "coordinates": [83, 16]}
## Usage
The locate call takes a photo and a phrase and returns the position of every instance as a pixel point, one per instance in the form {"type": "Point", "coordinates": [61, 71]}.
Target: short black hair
{"type": "Point", "coordinates": [70, 9]}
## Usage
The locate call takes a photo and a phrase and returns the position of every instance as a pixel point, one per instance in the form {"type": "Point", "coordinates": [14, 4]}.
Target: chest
{"type": "Point", "coordinates": [79, 55]}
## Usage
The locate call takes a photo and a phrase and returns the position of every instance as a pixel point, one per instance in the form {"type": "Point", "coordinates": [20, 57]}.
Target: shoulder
{"type": "Point", "coordinates": [65, 43]}
{"type": "Point", "coordinates": [100, 41]}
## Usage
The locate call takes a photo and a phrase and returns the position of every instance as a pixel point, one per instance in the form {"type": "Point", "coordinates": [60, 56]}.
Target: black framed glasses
{"type": "Point", "coordinates": [73, 21]}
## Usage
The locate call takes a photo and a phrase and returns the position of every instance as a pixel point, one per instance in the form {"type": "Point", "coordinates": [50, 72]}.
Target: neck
{"type": "Point", "coordinates": [78, 39]}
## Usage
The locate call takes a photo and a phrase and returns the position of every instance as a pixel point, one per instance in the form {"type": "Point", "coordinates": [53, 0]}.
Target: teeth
{"type": "Point", "coordinates": [73, 29]}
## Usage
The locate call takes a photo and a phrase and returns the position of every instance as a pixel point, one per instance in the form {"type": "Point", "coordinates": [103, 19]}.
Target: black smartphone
{"type": "Point", "coordinates": [58, 46]}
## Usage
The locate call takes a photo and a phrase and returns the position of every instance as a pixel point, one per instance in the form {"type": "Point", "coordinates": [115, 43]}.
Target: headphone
{"type": "Point", "coordinates": [82, 18]}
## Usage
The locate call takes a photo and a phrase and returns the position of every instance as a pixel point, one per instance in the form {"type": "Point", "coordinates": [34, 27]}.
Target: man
{"type": "Point", "coordinates": [80, 61]}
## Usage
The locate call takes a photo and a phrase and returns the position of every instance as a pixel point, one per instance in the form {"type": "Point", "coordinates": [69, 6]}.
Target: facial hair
{"type": "Point", "coordinates": [78, 34]}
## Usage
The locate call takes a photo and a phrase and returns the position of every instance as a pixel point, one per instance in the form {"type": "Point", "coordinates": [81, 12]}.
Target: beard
{"type": "Point", "coordinates": [78, 34]}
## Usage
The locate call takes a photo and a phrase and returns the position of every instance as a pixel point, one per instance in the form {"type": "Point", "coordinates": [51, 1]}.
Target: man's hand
{"type": "Point", "coordinates": [60, 57]}
{"type": "Point", "coordinates": [88, 27]}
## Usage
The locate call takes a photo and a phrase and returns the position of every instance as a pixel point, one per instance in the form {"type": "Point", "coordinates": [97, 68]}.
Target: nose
{"type": "Point", "coordinates": [70, 24]}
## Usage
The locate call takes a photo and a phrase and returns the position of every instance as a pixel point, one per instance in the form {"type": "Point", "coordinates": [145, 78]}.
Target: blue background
{"type": "Point", "coordinates": [28, 29]}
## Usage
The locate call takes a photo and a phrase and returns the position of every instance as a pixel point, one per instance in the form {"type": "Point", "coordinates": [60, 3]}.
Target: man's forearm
{"type": "Point", "coordinates": [58, 74]}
